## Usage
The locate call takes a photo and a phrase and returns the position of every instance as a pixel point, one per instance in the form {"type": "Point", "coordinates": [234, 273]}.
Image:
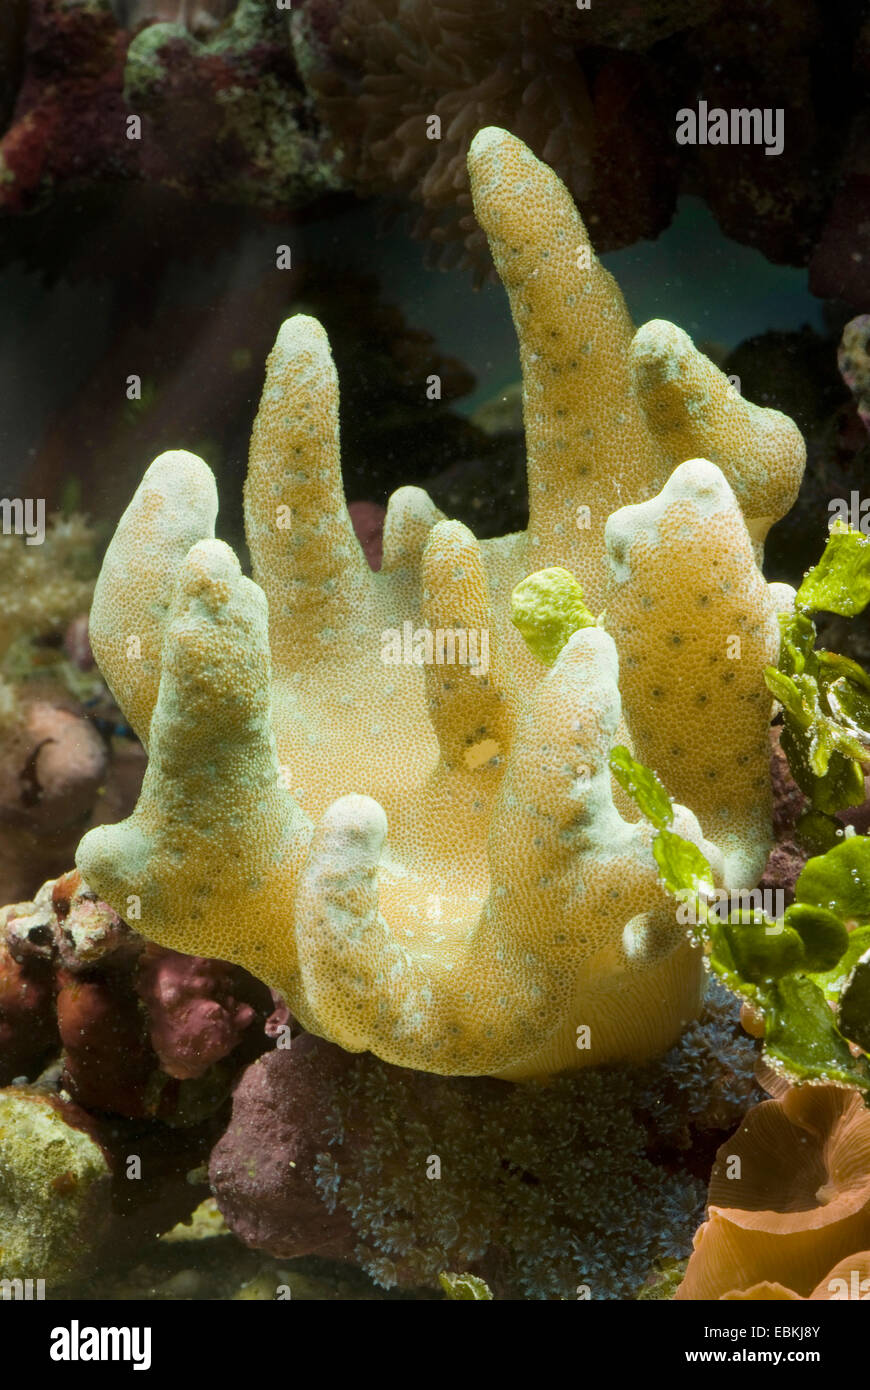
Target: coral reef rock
{"type": "Point", "coordinates": [54, 1186]}
{"type": "Point", "coordinates": [142, 1031]}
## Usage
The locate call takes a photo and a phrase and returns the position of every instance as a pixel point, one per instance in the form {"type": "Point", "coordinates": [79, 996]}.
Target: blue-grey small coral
{"type": "Point", "coordinates": [545, 1190]}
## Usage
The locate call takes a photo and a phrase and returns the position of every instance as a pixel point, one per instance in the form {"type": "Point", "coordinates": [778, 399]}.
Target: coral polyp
{"type": "Point", "coordinates": [362, 786]}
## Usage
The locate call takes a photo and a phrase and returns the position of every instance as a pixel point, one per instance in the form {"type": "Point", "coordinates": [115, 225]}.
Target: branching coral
{"type": "Point", "coordinates": [485, 908]}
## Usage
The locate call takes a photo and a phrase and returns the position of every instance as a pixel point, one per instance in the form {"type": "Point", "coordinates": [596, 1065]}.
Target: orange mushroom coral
{"type": "Point", "coordinates": [850, 1279]}
{"type": "Point", "coordinates": [789, 1200]}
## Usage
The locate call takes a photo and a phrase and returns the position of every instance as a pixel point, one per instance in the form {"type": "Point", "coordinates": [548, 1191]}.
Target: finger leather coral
{"type": "Point", "coordinates": [363, 786]}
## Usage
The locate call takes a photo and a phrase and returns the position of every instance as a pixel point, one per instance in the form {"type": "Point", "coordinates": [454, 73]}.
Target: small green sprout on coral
{"type": "Point", "coordinates": [467, 1287]}
{"type": "Point", "coordinates": [546, 608]}
{"type": "Point", "coordinates": [825, 697]}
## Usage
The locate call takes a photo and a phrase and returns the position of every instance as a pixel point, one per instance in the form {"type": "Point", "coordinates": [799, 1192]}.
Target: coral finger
{"type": "Point", "coordinates": [174, 506]}
{"type": "Point", "coordinates": [695, 411]}
{"type": "Point", "coordinates": [695, 626]}
{"type": "Point", "coordinates": [467, 702]}
{"type": "Point", "coordinates": [212, 822]}
{"type": "Point", "coordinates": [583, 900]}
{"type": "Point", "coordinates": [411, 514]}
{"type": "Point", "coordinates": [558, 778]}
{"type": "Point", "coordinates": [362, 988]}
{"type": "Point", "coordinates": [304, 551]}
{"type": "Point", "coordinates": [343, 946]}
{"type": "Point", "coordinates": [586, 440]}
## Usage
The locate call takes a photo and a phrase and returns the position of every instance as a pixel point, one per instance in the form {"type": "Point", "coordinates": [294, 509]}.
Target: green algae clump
{"type": "Point", "coordinates": [546, 608]}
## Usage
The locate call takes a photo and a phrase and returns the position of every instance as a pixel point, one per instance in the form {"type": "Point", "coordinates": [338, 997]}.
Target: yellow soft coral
{"type": "Point", "coordinates": [483, 906]}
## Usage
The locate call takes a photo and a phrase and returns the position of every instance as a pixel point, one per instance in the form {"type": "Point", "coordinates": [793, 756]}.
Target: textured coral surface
{"type": "Point", "coordinates": [484, 902]}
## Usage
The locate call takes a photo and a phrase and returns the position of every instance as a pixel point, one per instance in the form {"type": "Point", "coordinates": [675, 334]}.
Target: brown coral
{"type": "Point", "coordinates": [380, 70]}
{"type": "Point", "coordinates": [789, 1200]}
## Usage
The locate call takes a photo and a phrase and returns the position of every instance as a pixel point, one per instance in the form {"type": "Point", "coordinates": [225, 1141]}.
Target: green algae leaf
{"type": "Point", "coordinates": [822, 933]}
{"type": "Point", "coordinates": [831, 982]}
{"type": "Point", "coordinates": [722, 961]}
{"type": "Point", "coordinates": [826, 709]}
{"type": "Point", "coordinates": [839, 880]}
{"type": "Point", "coordinates": [464, 1286]}
{"type": "Point", "coordinates": [770, 962]}
{"type": "Point", "coordinates": [643, 786]}
{"type": "Point", "coordinates": [546, 608]}
{"type": "Point", "coordinates": [817, 832]}
{"type": "Point", "coordinates": [681, 864]}
{"type": "Point", "coordinates": [834, 667]}
{"type": "Point", "coordinates": [788, 968]}
{"type": "Point", "coordinates": [801, 1036]}
{"type": "Point", "coordinates": [850, 703]}
{"type": "Point", "coordinates": [808, 712]}
{"type": "Point", "coordinates": [798, 634]}
{"type": "Point", "coordinates": [790, 695]}
{"type": "Point", "coordinates": [761, 954]}
{"type": "Point", "coordinates": [840, 582]}
{"type": "Point", "coordinates": [845, 687]}
{"type": "Point", "coordinates": [822, 752]}
{"type": "Point", "coordinates": [853, 1013]}
{"type": "Point", "coordinates": [842, 783]}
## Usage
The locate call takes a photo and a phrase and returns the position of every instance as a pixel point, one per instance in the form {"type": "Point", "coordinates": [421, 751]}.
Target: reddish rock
{"type": "Point", "coordinates": [75, 978]}
{"type": "Point", "coordinates": [368, 523]}
{"type": "Point", "coordinates": [198, 1010]}
{"type": "Point", "coordinates": [28, 1029]}
{"type": "Point", "coordinates": [108, 1062]}
{"type": "Point", "coordinates": [262, 1170]}
{"type": "Point", "coordinates": [69, 119]}
{"type": "Point", "coordinates": [145, 1032]}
